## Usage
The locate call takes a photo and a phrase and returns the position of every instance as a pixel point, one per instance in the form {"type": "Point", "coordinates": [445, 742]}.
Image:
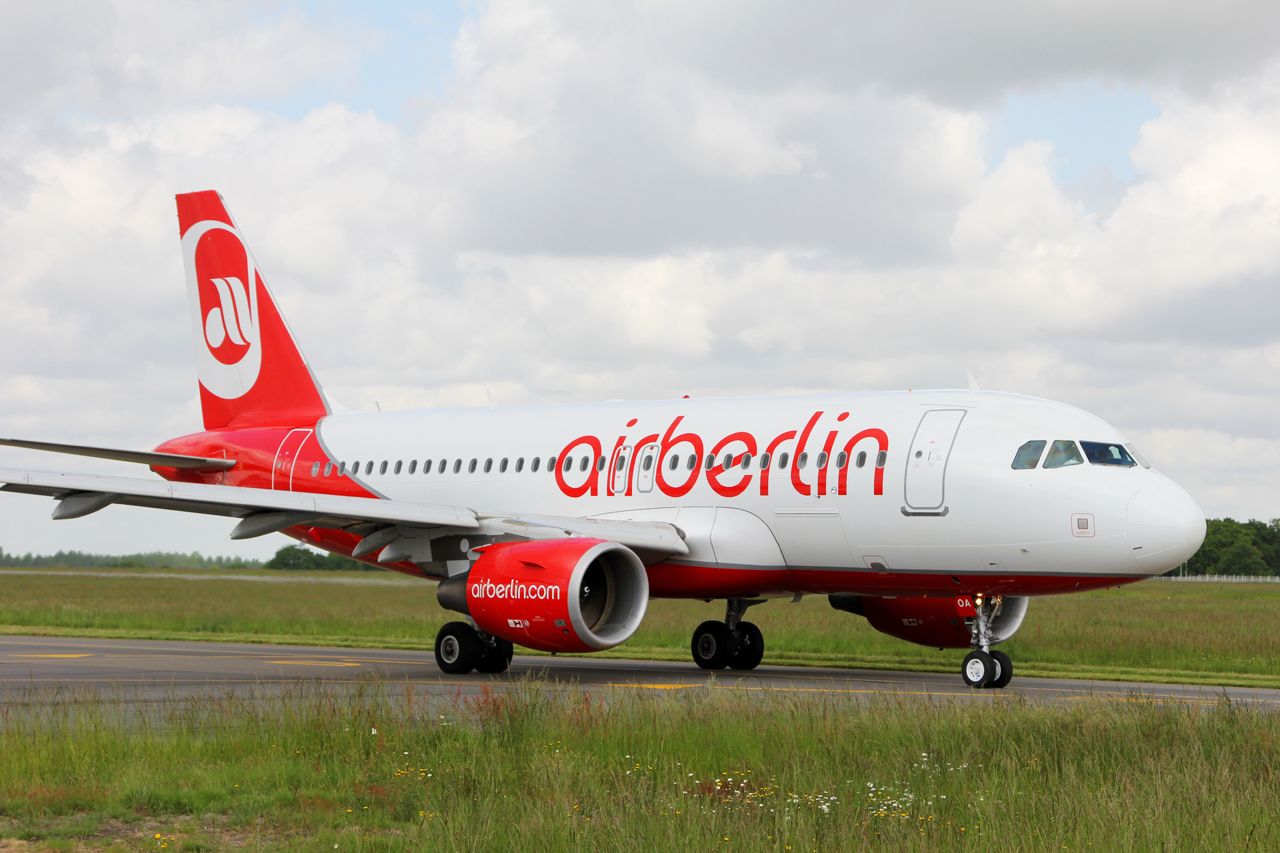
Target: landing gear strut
{"type": "Point", "coordinates": [460, 648]}
{"type": "Point", "coordinates": [983, 668]}
{"type": "Point", "coordinates": [732, 643]}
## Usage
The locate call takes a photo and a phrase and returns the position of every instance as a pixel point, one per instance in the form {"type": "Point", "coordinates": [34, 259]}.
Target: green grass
{"type": "Point", "coordinates": [1195, 633]}
{"type": "Point", "coordinates": [538, 769]}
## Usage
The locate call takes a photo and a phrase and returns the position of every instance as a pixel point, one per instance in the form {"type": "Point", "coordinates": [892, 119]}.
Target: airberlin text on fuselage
{"type": "Point", "coordinates": [619, 476]}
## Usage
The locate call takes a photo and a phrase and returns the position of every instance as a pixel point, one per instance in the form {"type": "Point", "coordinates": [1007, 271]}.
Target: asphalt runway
{"type": "Point", "coordinates": [52, 669]}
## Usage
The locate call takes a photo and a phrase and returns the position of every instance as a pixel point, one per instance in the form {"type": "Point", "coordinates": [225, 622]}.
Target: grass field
{"type": "Point", "coordinates": [1206, 633]}
{"type": "Point", "coordinates": [699, 770]}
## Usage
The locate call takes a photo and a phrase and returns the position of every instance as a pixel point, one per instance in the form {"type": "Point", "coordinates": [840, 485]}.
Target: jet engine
{"type": "Point", "coordinates": [557, 595]}
{"type": "Point", "coordinates": [930, 621]}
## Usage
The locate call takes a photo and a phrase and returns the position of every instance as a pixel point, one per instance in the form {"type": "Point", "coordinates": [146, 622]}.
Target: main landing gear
{"type": "Point", "coordinates": [983, 668]}
{"type": "Point", "coordinates": [732, 643]}
{"type": "Point", "coordinates": [460, 648]}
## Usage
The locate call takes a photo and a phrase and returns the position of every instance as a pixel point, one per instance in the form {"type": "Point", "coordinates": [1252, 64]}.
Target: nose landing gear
{"type": "Point", "coordinates": [732, 643]}
{"type": "Point", "coordinates": [983, 668]}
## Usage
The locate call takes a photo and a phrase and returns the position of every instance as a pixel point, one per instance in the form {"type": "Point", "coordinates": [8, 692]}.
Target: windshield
{"type": "Point", "coordinates": [1102, 453]}
{"type": "Point", "coordinates": [1063, 453]}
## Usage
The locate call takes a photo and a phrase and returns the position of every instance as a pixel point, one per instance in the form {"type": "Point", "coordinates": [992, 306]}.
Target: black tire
{"type": "Point", "coordinates": [978, 670]}
{"type": "Point", "coordinates": [750, 650]}
{"type": "Point", "coordinates": [496, 658]}
{"type": "Point", "coordinates": [457, 648]}
{"type": "Point", "coordinates": [1006, 670]}
{"type": "Point", "coordinates": [711, 646]}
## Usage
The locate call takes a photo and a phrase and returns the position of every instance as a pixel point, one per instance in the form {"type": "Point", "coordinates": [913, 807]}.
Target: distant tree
{"type": "Point", "coordinates": [1241, 557]}
{"type": "Point", "coordinates": [300, 558]}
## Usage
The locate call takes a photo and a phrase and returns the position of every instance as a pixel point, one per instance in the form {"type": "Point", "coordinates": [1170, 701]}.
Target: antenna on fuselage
{"type": "Point", "coordinates": [973, 383]}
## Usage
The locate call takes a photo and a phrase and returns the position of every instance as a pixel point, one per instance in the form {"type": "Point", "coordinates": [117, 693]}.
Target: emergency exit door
{"type": "Point", "coordinates": [926, 477]}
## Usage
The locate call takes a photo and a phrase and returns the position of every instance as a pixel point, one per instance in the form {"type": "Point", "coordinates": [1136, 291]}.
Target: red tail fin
{"type": "Point", "coordinates": [251, 371]}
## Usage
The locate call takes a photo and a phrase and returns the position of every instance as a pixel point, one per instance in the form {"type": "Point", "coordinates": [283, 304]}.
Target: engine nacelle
{"type": "Point", "coordinates": [930, 621]}
{"type": "Point", "coordinates": [557, 595]}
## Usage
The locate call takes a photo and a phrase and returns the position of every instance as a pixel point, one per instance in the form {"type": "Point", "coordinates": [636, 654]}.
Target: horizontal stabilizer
{"type": "Point", "coordinates": [142, 457]}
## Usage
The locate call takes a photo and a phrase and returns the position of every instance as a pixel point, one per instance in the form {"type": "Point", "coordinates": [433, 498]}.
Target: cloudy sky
{"type": "Point", "coordinates": [566, 201]}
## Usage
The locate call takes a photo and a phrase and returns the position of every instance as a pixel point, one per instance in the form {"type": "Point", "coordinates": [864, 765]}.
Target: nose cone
{"type": "Point", "coordinates": [1166, 527]}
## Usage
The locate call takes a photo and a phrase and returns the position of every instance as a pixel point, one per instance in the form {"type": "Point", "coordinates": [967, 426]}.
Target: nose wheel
{"type": "Point", "coordinates": [983, 668]}
{"type": "Point", "coordinates": [732, 643]}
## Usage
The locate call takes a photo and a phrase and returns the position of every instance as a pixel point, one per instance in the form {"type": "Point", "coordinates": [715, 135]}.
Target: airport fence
{"type": "Point", "coordinates": [1220, 578]}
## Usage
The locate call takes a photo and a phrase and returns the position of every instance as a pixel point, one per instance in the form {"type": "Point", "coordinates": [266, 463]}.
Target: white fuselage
{"type": "Point", "coordinates": [859, 489]}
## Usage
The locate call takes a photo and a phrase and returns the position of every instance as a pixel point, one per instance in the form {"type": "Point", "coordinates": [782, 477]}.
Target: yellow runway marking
{"type": "Point", "coordinates": [311, 663]}
{"type": "Point", "coordinates": [63, 656]}
{"type": "Point", "coordinates": [654, 686]}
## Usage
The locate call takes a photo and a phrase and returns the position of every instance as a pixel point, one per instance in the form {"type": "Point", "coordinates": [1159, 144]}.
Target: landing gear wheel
{"type": "Point", "coordinates": [712, 645]}
{"type": "Point", "coordinates": [979, 670]}
{"type": "Point", "coordinates": [1005, 665]}
{"type": "Point", "coordinates": [495, 658]}
{"type": "Point", "coordinates": [457, 648]}
{"type": "Point", "coordinates": [750, 648]}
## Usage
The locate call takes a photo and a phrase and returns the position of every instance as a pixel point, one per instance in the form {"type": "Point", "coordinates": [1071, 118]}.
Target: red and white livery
{"type": "Point", "coordinates": [935, 515]}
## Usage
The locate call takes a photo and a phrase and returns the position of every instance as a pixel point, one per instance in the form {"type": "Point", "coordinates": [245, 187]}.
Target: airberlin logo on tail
{"type": "Point", "coordinates": [223, 283]}
{"type": "Point", "coordinates": [225, 325]}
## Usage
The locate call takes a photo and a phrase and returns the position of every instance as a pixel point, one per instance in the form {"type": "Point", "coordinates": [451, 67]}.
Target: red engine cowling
{"type": "Point", "coordinates": [930, 621]}
{"type": "Point", "coordinates": [557, 595]}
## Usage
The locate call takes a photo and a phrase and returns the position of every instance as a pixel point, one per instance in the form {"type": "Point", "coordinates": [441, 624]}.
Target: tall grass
{"type": "Point", "coordinates": [539, 769]}
{"type": "Point", "coordinates": [1221, 633]}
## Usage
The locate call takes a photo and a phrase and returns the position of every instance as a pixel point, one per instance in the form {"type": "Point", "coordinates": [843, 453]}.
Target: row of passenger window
{"type": "Point", "coordinates": [583, 463]}
{"type": "Point", "coordinates": [1065, 452]}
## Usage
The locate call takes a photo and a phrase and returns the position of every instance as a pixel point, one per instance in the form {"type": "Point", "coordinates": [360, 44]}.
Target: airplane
{"type": "Point", "coordinates": [934, 515]}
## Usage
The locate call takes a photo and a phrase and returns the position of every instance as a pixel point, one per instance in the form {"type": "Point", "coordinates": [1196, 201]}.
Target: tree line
{"type": "Point", "coordinates": [1238, 548]}
{"type": "Point", "coordinates": [1230, 548]}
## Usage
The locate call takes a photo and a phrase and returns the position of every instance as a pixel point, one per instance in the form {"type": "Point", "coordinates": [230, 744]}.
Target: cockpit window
{"type": "Point", "coordinates": [1063, 453]}
{"type": "Point", "coordinates": [1028, 455]}
{"type": "Point", "coordinates": [1138, 457]}
{"type": "Point", "coordinates": [1102, 453]}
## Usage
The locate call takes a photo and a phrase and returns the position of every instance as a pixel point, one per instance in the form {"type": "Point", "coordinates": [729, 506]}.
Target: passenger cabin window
{"type": "Point", "coordinates": [399, 465]}
{"type": "Point", "coordinates": [315, 469]}
{"type": "Point", "coordinates": [822, 459]}
{"type": "Point", "coordinates": [457, 466]}
{"type": "Point", "coordinates": [1028, 455]}
{"type": "Point", "coordinates": [764, 461]}
{"type": "Point", "coordinates": [488, 465]}
{"type": "Point", "coordinates": [368, 468]}
{"type": "Point", "coordinates": [1101, 453]}
{"type": "Point", "coordinates": [802, 460]}
{"type": "Point", "coordinates": [533, 466]}
{"type": "Point", "coordinates": [674, 463]}
{"type": "Point", "coordinates": [502, 466]}
{"type": "Point", "coordinates": [693, 461]}
{"type": "Point", "coordinates": [782, 459]}
{"type": "Point", "coordinates": [881, 458]}
{"type": "Point", "coordinates": [842, 459]}
{"type": "Point", "coordinates": [551, 463]}
{"type": "Point", "coordinates": [426, 466]}
{"type": "Point", "coordinates": [413, 466]}
{"type": "Point", "coordinates": [1062, 454]}
{"type": "Point", "coordinates": [471, 468]}
{"type": "Point", "coordinates": [600, 463]}
{"type": "Point", "coordinates": [382, 469]}
{"type": "Point", "coordinates": [328, 469]}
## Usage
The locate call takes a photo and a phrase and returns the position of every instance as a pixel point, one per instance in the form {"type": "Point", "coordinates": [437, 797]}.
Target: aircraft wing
{"type": "Point", "coordinates": [263, 511]}
{"type": "Point", "coordinates": [144, 457]}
